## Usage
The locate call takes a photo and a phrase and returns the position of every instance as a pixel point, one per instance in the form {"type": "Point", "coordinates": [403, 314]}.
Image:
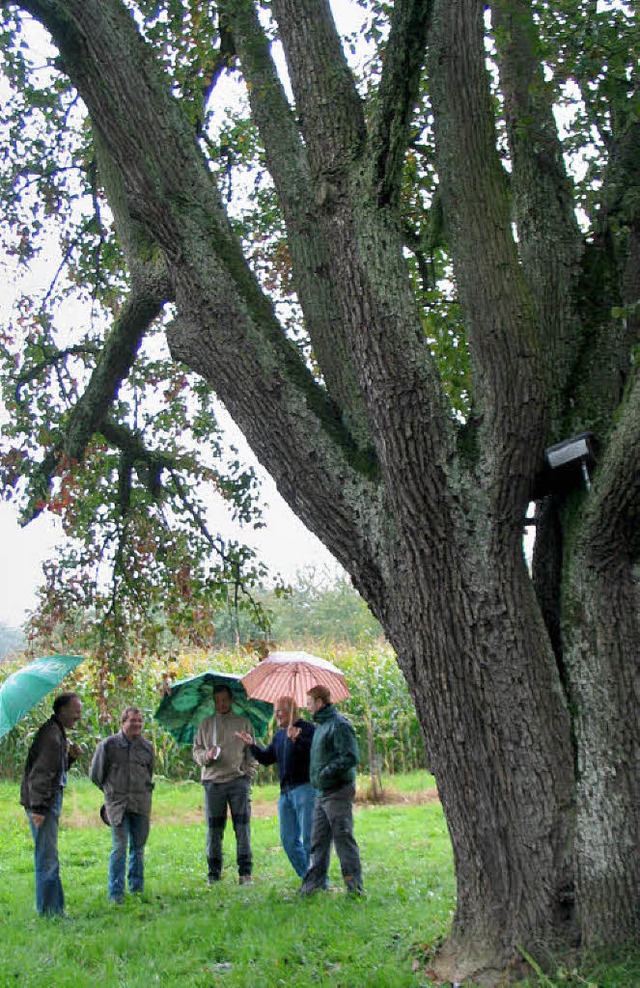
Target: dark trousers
{"type": "Point", "coordinates": [237, 796]}
{"type": "Point", "coordinates": [333, 821]}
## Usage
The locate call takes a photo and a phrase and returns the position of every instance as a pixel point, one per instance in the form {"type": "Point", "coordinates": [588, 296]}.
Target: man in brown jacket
{"type": "Point", "coordinates": [43, 782]}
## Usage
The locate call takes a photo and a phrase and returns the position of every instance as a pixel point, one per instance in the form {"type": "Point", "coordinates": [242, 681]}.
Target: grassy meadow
{"type": "Point", "coordinates": [181, 932]}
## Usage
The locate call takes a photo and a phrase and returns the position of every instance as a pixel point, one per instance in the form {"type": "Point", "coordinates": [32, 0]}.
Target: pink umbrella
{"type": "Point", "coordinates": [293, 674]}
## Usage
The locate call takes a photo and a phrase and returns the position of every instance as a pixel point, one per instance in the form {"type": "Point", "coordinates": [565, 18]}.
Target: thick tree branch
{"type": "Point", "coordinates": [116, 360]}
{"type": "Point", "coordinates": [548, 235]}
{"type": "Point", "coordinates": [621, 211]}
{"type": "Point", "coordinates": [288, 166]}
{"type": "Point", "coordinates": [503, 334]}
{"type": "Point", "coordinates": [327, 102]}
{"type": "Point", "coordinates": [397, 379]}
{"type": "Point", "coordinates": [612, 523]}
{"type": "Point", "coordinates": [611, 290]}
{"type": "Point", "coordinates": [397, 96]}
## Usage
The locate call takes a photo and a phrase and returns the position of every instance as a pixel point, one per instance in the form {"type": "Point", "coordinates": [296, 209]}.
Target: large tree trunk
{"type": "Point", "coordinates": [470, 640]}
{"type": "Point", "coordinates": [605, 677]}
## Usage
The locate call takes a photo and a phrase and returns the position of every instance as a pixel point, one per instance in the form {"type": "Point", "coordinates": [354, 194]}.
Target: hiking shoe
{"type": "Point", "coordinates": [354, 888]}
{"type": "Point", "coordinates": [244, 880]}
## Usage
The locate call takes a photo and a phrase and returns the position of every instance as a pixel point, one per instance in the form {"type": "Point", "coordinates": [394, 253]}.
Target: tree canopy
{"type": "Point", "coordinates": [407, 261]}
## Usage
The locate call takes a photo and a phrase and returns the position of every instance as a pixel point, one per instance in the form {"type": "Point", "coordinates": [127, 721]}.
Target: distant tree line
{"type": "Point", "coordinates": [315, 607]}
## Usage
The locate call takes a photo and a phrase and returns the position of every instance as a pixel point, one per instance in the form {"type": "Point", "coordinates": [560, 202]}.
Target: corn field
{"type": "Point", "coordinates": [379, 708]}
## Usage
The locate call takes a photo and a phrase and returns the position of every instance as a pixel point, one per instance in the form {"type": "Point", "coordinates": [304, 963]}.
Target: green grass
{"type": "Point", "coordinates": [181, 932]}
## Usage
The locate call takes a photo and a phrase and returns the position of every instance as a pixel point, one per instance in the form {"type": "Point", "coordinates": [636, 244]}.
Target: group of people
{"type": "Point", "coordinates": [316, 763]}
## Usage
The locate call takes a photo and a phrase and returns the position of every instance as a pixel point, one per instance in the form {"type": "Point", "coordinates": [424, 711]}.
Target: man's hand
{"type": "Point", "coordinates": [244, 736]}
{"type": "Point", "coordinates": [75, 751]}
{"type": "Point", "coordinates": [293, 732]}
{"type": "Point", "coordinates": [37, 818]}
{"type": "Point", "coordinates": [213, 753]}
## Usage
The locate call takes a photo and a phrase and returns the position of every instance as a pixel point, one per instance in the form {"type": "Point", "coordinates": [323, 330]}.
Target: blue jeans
{"type": "Point", "coordinates": [49, 894]}
{"type": "Point", "coordinates": [295, 811]}
{"type": "Point", "coordinates": [132, 831]}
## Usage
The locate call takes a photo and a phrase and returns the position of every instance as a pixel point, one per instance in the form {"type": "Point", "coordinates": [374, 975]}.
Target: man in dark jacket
{"type": "Point", "coordinates": [290, 748]}
{"type": "Point", "coordinates": [43, 782]}
{"type": "Point", "coordinates": [334, 756]}
{"type": "Point", "coordinates": [122, 767]}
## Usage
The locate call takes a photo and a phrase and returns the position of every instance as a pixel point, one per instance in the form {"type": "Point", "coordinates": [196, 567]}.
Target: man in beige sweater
{"type": "Point", "coordinates": [227, 768]}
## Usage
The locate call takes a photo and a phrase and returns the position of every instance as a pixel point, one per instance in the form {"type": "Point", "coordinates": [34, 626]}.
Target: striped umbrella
{"type": "Point", "coordinates": [293, 674]}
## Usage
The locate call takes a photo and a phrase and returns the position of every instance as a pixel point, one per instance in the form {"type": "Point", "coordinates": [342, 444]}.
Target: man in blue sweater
{"type": "Point", "coordinates": [332, 771]}
{"type": "Point", "coordinates": [289, 749]}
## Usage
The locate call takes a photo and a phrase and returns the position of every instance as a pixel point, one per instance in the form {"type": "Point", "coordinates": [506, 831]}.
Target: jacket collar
{"type": "Point", "coordinates": [54, 720]}
{"type": "Point", "coordinates": [325, 713]}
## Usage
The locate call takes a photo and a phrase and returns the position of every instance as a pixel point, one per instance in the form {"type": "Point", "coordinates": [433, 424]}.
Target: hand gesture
{"type": "Point", "coordinates": [293, 732]}
{"type": "Point", "coordinates": [244, 736]}
{"type": "Point", "coordinates": [213, 753]}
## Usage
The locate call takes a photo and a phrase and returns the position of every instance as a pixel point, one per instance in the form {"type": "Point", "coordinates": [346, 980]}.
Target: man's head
{"type": "Point", "coordinates": [317, 698]}
{"type": "Point", "coordinates": [132, 722]}
{"type": "Point", "coordinates": [222, 699]}
{"type": "Point", "coordinates": [285, 711]}
{"type": "Point", "coordinates": [67, 707]}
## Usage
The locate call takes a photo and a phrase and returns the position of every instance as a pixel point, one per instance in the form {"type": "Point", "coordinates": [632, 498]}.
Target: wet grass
{"type": "Point", "coordinates": [181, 932]}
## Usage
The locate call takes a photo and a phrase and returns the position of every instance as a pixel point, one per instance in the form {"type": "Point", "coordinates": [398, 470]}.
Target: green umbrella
{"type": "Point", "coordinates": [23, 689]}
{"type": "Point", "coordinates": [191, 700]}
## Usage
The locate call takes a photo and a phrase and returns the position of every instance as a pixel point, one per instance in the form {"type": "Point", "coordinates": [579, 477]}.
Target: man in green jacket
{"type": "Point", "coordinates": [332, 772]}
